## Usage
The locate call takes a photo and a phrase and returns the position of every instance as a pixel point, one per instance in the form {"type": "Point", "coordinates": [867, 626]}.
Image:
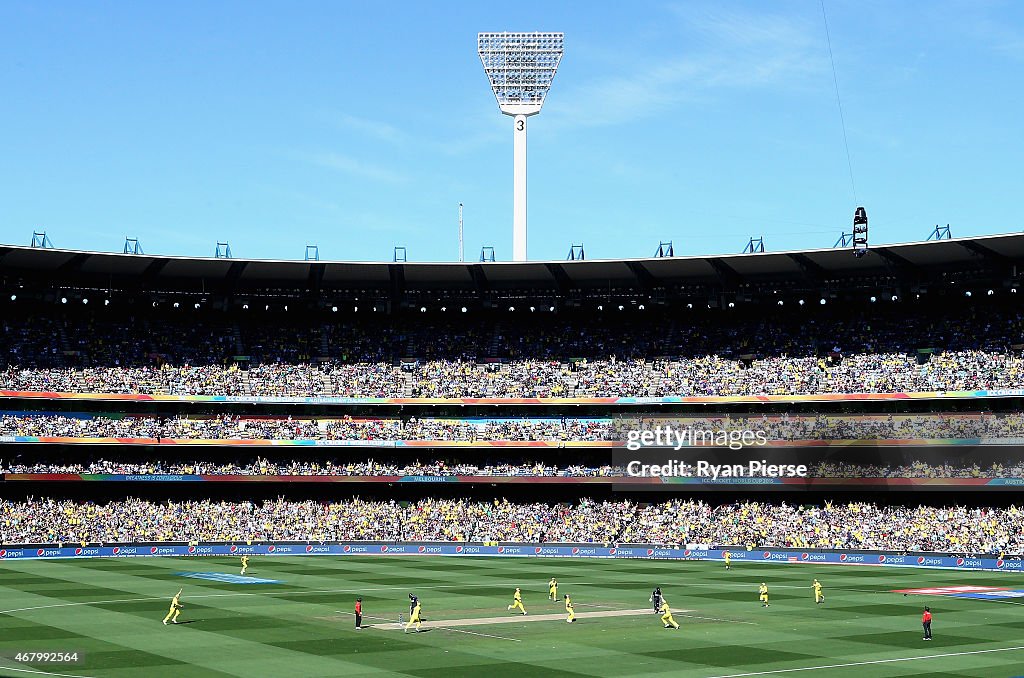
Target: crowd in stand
{"type": "Point", "coordinates": [704, 376]}
{"type": "Point", "coordinates": [960, 468]}
{"type": "Point", "coordinates": [855, 525]}
{"type": "Point", "coordinates": [982, 426]}
{"type": "Point", "coordinates": [287, 428]}
{"type": "Point", "coordinates": [563, 356]}
{"type": "Point", "coordinates": [307, 467]}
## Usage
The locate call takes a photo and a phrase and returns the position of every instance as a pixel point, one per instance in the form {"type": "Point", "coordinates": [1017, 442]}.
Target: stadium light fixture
{"type": "Point", "coordinates": [334, 309]}
{"type": "Point", "coordinates": [823, 302]}
{"type": "Point", "coordinates": [991, 292]}
{"type": "Point", "coordinates": [895, 297]}
{"type": "Point", "coordinates": [176, 304]}
{"type": "Point", "coordinates": [106, 302]}
{"type": "Point", "coordinates": [14, 297]}
{"type": "Point", "coordinates": [463, 309]}
{"type": "Point", "coordinates": [781, 302]}
{"type": "Point", "coordinates": [64, 300]}
{"type": "Point", "coordinates": [874, 299]}
{"type": "Point", "coordinates": [520, 68]}
{"type": "Point", "coordinates": [85, 300]}
{"type": "Point", "coordinates": [967, 293]}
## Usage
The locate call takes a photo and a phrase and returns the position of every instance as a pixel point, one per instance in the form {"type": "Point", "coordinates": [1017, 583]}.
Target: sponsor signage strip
{"type": "Point", "coordinates": [517, 550]}
{"type": "Point", "coordinates": [56, 440]}
{"type": "Point", "coordinates": [700, 400]}
{"type": "Point", "coordinates": [549, 480]}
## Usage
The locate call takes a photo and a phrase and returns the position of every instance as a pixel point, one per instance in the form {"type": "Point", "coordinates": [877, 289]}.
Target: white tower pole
{"type": "Point", "coordinates": [520, 68]}
{"type": "Point", "coordinates": [519, 188]}
{"type": "Point", "coordinates": [461, 251]}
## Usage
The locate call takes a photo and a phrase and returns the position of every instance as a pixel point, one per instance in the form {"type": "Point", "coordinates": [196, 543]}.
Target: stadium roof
{"type": "Point", "coordinates": [999, 254]}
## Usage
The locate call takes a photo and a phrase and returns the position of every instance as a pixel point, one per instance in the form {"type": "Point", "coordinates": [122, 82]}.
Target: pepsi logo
{"type": "Point", "coordinates": [3, 553]}
{"type": "Point", "coordinates": [152, 549]}
{"type": "Point", "coordinates": [458, 549]}
{"type": "Point", "coordinates": [920, 560]}
{"type": "Point", "coordinates": [999, 563]}
{"type": "Point", "coordinates": [384, 549]}
{"type": "Point", "coordinates": [191, 549]}
{"type": "Point", "coordinates": [501, 549]}
{"type": "Point", "coordinates": [116, 550]}
{"type": "Point", "coordinates": [575, 551]}
{"type": "Point", "coordinates": [234, 548]}
{"type": "Point", "coordinates": [959, 562]}
{"type": "Point", "coordinates": [842, 557]}
{"type": "Point", "coordinates": [537, 550]}
{"type": "Point", "coordinates": [766, 555]}
{"type": "Point", "coordinates": [611, 552]}
{"type": "Point", "coordinates": [804, 556]}
{"type": "Point", "coordinates": [881, 559]}
{"type": "Point", "coordinates": [650, 552]}
{"type": "Point", "coordinates": [346, 548]}
{"type": "Point", "coordinates": [78, 551]}
{"type": "Point", "coordinates": [40, 552]}
{"type": "Point", "coordinates": [309, 549]}
{"type": "Point", "coordinates": [422, 549]}
{"type": "Point", "coordinates": [686, 552]}
{"type": "Point", "coordinates": [270, 549]}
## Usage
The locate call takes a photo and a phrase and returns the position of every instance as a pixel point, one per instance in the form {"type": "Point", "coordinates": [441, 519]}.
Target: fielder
{"type": "Point", "coordinates": [175, 610]}
{"type": "Point", "coordinates": [517, 601]}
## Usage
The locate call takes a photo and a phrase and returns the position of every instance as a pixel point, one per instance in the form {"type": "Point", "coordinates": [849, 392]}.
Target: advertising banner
{"type": "Point", "coordinates": [757, 555]}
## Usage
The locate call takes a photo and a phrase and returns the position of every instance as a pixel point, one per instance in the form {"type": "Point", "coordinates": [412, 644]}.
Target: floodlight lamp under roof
{"type": "Point", "coordinates": [520, 68]}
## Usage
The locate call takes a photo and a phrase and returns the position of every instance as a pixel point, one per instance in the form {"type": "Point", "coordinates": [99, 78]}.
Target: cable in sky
{"type": "Point", "coordinates": [839, 103]}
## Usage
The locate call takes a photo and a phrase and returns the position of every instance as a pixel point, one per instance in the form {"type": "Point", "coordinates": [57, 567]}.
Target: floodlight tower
{"type": "Point", "coordinates": [520, 67]}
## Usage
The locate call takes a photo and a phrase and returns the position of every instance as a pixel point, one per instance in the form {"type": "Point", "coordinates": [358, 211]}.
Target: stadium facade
{"type": "Point", "coordinates": [195, 378]}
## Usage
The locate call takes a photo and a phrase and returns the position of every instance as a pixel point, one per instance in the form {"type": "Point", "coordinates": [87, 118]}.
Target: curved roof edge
{"type": "Point", "coordinates": [954, 254]}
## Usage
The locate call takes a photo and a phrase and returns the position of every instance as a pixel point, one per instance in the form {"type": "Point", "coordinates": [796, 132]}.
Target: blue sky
{"type": "Point", "coordinates": [361, 126]}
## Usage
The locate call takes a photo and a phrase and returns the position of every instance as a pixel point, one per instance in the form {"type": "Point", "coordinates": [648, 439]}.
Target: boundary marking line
{"type": "Point", "coordinates": [870, 662]}
{"type": "Point", "coordinates": [44, 673]}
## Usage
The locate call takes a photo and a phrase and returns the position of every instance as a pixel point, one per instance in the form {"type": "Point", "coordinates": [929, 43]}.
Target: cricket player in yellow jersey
{"type": "Point", "coordinates": [553, 590]}
{"type": "Point", "coordinates": [763, 594]}
{"type": "Point", "coordinates": [728, 559]}
{"type": "Point", "coordinates": [172, 614]}
{"type": "Point", "coordinates": [568, 608]}
{"type": "Point", "coordinates": [517, 601]}
{"type": "Point", "coordinates": [819, 597]}
{"type": "Point", "coordinates": [245, 564]}
{"type": "Point", "coordinates": [666, 617]}
{"type": "Point", "coordinates": [414, 618]}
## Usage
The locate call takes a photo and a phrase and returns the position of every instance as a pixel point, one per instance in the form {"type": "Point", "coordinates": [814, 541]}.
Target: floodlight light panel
{"type": "Point", "coordinates": [520, 68]}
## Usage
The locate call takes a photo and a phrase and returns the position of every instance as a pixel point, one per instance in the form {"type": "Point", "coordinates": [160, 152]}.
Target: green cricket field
{"type": "Point", "coordinates": [292, 616]}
